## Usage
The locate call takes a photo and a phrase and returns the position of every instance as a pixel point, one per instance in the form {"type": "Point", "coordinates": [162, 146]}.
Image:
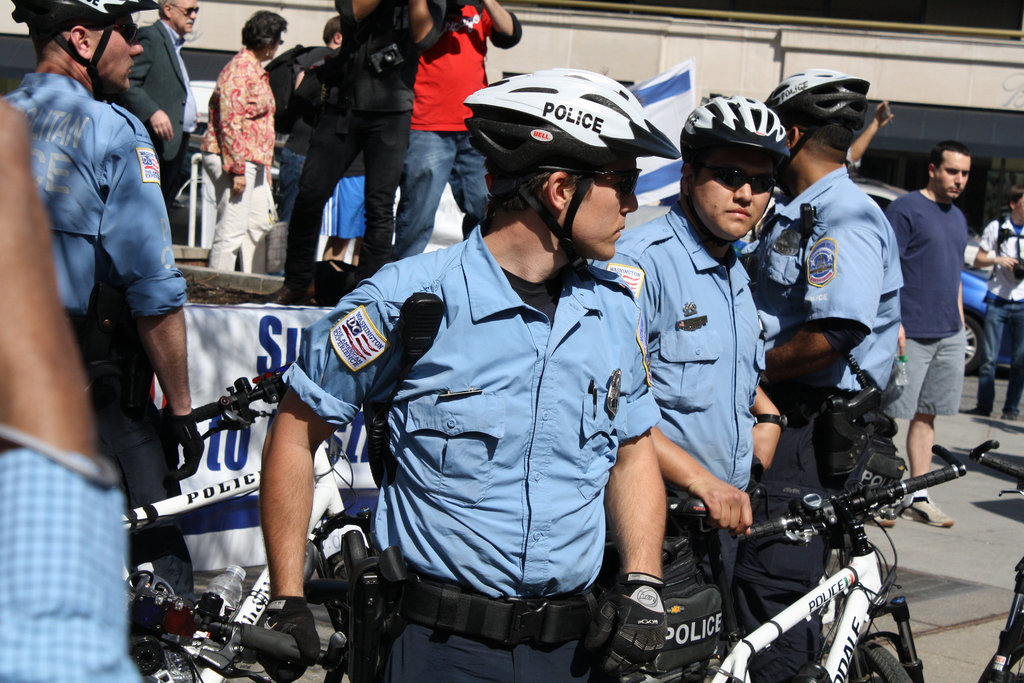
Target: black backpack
{"type": "Point", "coordinates": [283, 71]}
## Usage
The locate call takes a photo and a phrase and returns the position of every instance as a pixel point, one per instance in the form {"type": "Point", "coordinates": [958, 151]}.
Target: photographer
{"type": "Point", "coordinates": [1000, 247]}
{"type": "Point", "coordinates": [366, 107]}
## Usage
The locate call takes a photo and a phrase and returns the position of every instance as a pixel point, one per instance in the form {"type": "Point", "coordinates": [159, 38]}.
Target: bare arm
{"type": "Point", "coordinates": [960, 303]}
{"type": "Point", "coordinates": [766, 434]}
{"type": "Point", "coordinates": [880, 120]}
{"type": "Point", "coordinates": [163, 337]}
{"type": "Point", "coordinates": [984, 259]}
{"type": "Point", "coordinates": [728, 507]}
{"type": "Point", "coordinates": [40, 370]}
{"type": "Point", "coordinates": [500, 16]}
{"type": "Point", "coordinates": [363, 8]}
{"type": "Point", "coordinates": [808, 351]}
{"type": "Point", "coordinates": [421, 22]}
{"type": "Point", "coordinates": [635, 499]}
{"type": "Point", "coordinates": [286, 491]}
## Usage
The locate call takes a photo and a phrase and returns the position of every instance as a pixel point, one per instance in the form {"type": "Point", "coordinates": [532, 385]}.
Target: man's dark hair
{"type": "Point", "coordinates": [332, 26]}
{"type": "Point", "coordinates": [935, 158]}
{"type": "Point", "coordinates": [1014, 194]}
{"type": "Point", "coordinates": [263, 29]}
{"type": "Point", "coordinates": [830, 141]}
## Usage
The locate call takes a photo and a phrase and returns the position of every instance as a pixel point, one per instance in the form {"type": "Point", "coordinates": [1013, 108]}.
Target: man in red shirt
{"type": "Point", "coordinates": [439, 149]}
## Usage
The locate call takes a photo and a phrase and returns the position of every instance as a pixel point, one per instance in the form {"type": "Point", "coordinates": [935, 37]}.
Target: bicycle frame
{"type": "Point", "coordinates": [327, 501]}
{"type": "Point", "coordinates": [860, 580]}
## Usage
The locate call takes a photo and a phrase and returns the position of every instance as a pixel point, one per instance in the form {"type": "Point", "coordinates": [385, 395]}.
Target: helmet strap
{"type": "Point", "coordinates": [705, 232]}
{"type": "Point", "coordinates": [91, 66]}
{"type": "Point", "coordinates": [562, 232]}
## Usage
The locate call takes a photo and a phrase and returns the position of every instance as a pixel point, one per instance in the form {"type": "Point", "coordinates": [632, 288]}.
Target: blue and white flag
{"type": "Point", "coordinates": [668, 99]}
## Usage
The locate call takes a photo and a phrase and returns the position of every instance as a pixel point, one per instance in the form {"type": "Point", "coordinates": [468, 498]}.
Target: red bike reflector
{"type": "Point", "coordinates": [179, 621]}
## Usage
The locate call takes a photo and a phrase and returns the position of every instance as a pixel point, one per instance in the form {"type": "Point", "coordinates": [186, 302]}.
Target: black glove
{"type": "Point", "coordinates": [180, 430]}
{"type": "Point", "coordinates": [629, 626]}
{"type": "Point", "coordinates": [292, 615]}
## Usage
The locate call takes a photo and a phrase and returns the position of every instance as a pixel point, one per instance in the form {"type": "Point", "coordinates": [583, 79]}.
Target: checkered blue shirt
{"type": "Point", "coordinates": [63, 603]}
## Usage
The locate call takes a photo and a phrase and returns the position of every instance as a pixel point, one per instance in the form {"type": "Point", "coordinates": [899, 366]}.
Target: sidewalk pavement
{"type": "Point", "coordinates": [959, 581]}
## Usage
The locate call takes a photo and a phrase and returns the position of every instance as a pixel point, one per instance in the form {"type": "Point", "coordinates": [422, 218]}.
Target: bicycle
{"type": "Point", "coordinates": [175, 641]}
{"type": "Point", "coordinates": [1009, 654]}
{"type": "Point", "coordinates": [858, 591]}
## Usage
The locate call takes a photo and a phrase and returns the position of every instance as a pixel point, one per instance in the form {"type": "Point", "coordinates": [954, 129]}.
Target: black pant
{"type": "Point", "coordinates": [170, 173]}
{"type": "Point", "coordinates": [770, 574]}
{"type": "Point", "coordinates": [383, 138]}
{"type": "Point", "coordinates": [133, 442]}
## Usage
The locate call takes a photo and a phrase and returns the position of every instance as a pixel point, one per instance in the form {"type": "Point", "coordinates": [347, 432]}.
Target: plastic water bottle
{"type": "Point", "coordinates": [228, 585]}
{"type": "Point", "coordinates": [900, 372]}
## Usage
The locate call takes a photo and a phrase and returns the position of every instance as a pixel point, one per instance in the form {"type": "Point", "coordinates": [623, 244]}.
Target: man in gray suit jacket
{"type": "Point", "coordinates": [160, 94]}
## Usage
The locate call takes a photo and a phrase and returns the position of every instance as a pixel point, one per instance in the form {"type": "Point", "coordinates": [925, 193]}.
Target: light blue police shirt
{"type": "Point", "coordinates": [100, 181]}
{"type": "Point", "coordinates": [705, 342]}
{"type": "Point", "coordinates": [62, 592]}
{"type": "Point", "coordinates": [504, 431]}
{"type": "Point", "coordinates": [849, 268]}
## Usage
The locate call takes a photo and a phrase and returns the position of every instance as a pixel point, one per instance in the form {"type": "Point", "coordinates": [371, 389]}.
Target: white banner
{"type": "Point", "coordinates": [225, 343]}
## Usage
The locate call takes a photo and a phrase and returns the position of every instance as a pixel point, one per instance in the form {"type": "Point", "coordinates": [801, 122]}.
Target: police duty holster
{"type": "Point", "coordinates": [374, 587]}
{"type": "Point", "coordinates": [851, 432]}
{"type": "Point", "coordinates": [111, 348]}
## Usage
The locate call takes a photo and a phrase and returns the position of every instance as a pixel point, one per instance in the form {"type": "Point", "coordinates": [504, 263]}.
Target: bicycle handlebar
{"type": "Point", "coordinates": [997, 462]}
{"type": "Point", "coordinates": [277, 645]}
{"type": "Point", "coordinates": [815, 515]}
{"type": "Point", "coordinates": [234, 408]}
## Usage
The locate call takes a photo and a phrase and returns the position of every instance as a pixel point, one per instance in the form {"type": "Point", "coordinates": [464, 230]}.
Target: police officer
{"type": "Point", "coordinates": [706, 346]}
{"type": "Point", "coordinates": [828, 280]}
{"type": "Point", "coordinates": [527, 417]}
{"type": "Point", "coordinates": [100, 180]}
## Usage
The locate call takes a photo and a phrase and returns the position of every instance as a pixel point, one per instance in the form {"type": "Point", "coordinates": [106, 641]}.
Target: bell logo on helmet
{"type": "Point", "coordinates": [570, 115]}
{"type": "Point", "coordinates": [541, 135]}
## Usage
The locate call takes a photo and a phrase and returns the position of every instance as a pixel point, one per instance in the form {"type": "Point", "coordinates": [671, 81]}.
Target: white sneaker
{"type": "Point", "coordinates": [923, 510]}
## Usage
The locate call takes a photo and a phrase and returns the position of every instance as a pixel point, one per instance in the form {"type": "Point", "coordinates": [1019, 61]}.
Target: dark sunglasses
{"type": "Point", "coordinates": [734, 179]}
{"type": "Point", "coordinates": [627, 178]}
{"type": "Point", "coordinates": [187, 11]}
{"type": "Point", "coordinates": [127, 31]}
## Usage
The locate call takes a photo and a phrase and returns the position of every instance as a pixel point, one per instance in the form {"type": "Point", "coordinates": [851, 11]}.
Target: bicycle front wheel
{"type": "Point", "coordinates": [880, 666]}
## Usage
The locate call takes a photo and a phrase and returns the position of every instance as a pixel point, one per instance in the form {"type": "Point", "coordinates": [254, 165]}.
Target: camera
{"type": "Point", "coordinates": [386, 58]}
{"type": "Point", "coordinates": [1018, 269]}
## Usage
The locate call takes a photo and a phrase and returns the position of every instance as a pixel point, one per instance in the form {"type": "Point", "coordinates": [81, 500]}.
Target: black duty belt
{"type": "Point", "coordinates": [800, 402]}
{"type": "Point", "coordinates": [509, 621]}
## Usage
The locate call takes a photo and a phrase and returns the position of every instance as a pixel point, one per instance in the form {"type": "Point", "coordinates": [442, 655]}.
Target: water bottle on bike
{"type": "Point", "coordinates": [228, 585]}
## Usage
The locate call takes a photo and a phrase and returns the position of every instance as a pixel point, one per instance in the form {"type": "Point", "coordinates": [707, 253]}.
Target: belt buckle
{"type": "Point", "coordinates": [527, 620]}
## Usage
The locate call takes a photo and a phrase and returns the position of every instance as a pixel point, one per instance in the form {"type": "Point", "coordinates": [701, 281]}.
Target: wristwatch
{"type": "Point", "coordinates": [772, 418]}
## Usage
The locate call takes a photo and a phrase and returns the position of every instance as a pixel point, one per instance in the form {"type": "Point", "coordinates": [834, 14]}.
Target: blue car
{"type": "Point", "coordinates": [972, 279]}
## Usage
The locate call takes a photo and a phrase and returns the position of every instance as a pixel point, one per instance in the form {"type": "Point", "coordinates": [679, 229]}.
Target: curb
{"type": "Point", "coordinates": [247, 282]}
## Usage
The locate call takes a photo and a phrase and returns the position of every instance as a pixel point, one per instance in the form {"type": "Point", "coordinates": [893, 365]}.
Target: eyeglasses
{"type": "Point", "coordinates": [127, 31]}
{"type": "Point", "coordinates": [626, 178]}
{"type": "Point", "coordinates": [187, 11]}
{"type": "Point", "coordinates": [734, 179]}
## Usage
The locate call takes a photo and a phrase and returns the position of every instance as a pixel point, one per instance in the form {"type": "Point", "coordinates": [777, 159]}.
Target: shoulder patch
{"type": "Point", "coordinates": [822, 262]}
{"type": "Point", "coordinates": [357, 341]}
{"type": "Point", "coordinates": [149, 165]}
{"type": "Point", "coordinates": [632, 276]}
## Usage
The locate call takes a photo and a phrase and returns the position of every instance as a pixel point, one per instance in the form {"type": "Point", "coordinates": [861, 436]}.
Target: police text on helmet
{"type": "Point", "coordinates": [571, 115]}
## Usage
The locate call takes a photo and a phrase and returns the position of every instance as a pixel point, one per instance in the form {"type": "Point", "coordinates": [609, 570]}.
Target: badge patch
{"type": "Point", "coordinates": [633, 277]}
{"type": "Point", "coordinates": [149, 165]}
{"type": "Point", "coordinates": [356, 341]}
{"type": "Point", "coordinates": [821, 264]}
